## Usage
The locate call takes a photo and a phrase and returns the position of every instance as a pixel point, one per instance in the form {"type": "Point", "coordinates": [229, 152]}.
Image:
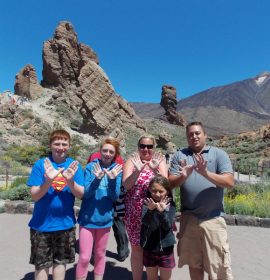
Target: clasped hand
{"type": "Point", "coordinates": [200, 166]}
{"type": "Point", "coordinates": [160, 206]}
{"type": "Point", "coordinates": [112, 174]}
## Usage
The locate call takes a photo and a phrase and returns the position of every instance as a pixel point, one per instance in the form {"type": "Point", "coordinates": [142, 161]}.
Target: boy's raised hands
{"type": "Point", "coordinates": [71, 170]}
{"type": "Point", "coordinates": [50, 171]}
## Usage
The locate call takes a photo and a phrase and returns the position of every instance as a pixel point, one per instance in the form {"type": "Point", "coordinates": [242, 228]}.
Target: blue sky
{"type": "Point", "coordinates": [193, 45]}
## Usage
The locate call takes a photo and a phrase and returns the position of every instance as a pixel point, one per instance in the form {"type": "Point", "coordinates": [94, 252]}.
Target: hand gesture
{"type": "Point", "coordinates": [71, 170]}
{"type": "Point", "coordinates": [98, 171]}
{"type": "Point", "coordinates": [156, 159]}
{"type": "Point", "coordinates": [50, 171]}
{"type": "Point", "coordinates": [201, 164]}
{"type": "Point", "coordinates": [139, 165]}
{"type": "Point", "coordinates": [113, 173]}
{"type": "Point", "coordinates": [185, 169]}
{"type": "Point", "coordinates": [163, 204]}
{"type": "Point", "coordinates": [150, 203]}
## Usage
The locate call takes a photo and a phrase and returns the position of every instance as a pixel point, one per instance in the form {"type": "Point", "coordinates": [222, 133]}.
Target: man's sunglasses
{"type": "Point", "coordinates": [143, 146]}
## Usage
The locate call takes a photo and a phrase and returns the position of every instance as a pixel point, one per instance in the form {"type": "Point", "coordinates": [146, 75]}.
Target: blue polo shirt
{"type": "Point", "coordinates": [199, 196]}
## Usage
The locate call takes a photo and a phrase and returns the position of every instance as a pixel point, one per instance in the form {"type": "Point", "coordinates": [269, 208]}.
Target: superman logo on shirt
{"type": "Point", "coordinates": [59, 182]}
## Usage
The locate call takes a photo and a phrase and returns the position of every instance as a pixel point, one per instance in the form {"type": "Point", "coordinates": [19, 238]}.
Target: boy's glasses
{"type": "Point", "coordinates": [143, 146]}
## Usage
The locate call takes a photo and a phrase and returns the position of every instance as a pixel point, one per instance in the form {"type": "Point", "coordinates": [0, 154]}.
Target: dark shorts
{"type": "Point", "coordinates": [48, 248]}
{"type": "Point", "coordinates": [161, 259]}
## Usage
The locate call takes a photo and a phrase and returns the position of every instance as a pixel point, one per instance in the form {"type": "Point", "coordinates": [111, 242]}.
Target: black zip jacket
{"type": "Point", "coordinates": [156, 230]}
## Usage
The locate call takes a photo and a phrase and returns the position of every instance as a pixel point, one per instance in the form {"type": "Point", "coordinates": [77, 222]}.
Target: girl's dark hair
{"type": "Point", "coordinates": [161, 180]}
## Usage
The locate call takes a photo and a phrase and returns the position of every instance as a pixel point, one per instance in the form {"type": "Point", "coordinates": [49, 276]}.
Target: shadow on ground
{"type": "Point", "coordinates": [112, 271]}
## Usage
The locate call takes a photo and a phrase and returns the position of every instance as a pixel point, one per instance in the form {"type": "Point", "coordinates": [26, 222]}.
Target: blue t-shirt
{"type": "Point", "coordinates": [199, 196]}
{"type": "Point", "coordinates": [54, 211]}
{"type": "Point", "coordinates": [97, 209]}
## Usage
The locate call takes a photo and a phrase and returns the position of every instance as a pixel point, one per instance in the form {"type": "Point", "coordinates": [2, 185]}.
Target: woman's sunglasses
{"type": "Point", "coordinates": [143, 146]}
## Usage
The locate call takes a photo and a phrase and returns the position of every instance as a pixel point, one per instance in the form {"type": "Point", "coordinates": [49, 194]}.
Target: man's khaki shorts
{"type": "Point", "coordinates": [204, 244]}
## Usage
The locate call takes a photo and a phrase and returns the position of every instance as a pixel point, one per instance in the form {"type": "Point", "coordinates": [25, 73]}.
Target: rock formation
{"type": "Point", "coordinates": [26, 83]}
{"type": "Point", "coordinates": [72, 69]}
{"type": "Point", "coordinates": [63, 58]}
{"type": "Point", "coordinates": [169, 102]}
{"type": "Point", "coordinates": [164, 142]}
{"type": "Point", "coordinates": [265, 132]}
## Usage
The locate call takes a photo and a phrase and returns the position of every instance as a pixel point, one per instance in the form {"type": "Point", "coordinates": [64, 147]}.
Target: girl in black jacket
{"type": "Point", "coordinates": [157, 238]}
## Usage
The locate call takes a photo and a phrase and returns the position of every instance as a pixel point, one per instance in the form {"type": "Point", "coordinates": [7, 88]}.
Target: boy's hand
{"type": "Point", "coordinates": [150, 203]}
{"type": "Point", "coordinates": [50, 171]}
{"type": "Point", "coordinates": [98, 171]}
{"type": "Point", "coordinates": [113, 173]}
{"type": "Point", "coordinates": [71, 170]}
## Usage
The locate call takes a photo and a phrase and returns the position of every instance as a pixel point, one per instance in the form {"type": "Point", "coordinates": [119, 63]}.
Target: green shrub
{"type": "Point", "coordinates": [37, 120]}
{"type": "Point", "coordinates": [26, 125]}
{"type": "Point", "coordinates": [13, 167]}
{"type": "Point", "coordinates": [176, 197]}
{"type": "Point", "coordinates": [28, 114]}
{"type": "Point", "coordinates": [62, 109]}
{"type": "Point", "coordinates": [248, 199]}
{"type": "Point", "coordinates": [16, 131]}
{"type": "Point", "coordinates": [258, 188]}
{"type": "Point", "coordinates": [18, 181]}
{"type": "Point", "coordinates": [21, 192]}
{"type": "Point", "coordinates": [252, 204]}
{"type": "Point", "coordinates": [26, 155]}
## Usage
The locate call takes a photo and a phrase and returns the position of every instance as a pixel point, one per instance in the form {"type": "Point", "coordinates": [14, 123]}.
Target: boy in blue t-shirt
{"type": "Point", "coordinates": [54, 183]}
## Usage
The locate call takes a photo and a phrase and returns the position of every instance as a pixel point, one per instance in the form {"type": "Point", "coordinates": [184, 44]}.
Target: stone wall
{"type": "Point", "coordinates": [23, 207]}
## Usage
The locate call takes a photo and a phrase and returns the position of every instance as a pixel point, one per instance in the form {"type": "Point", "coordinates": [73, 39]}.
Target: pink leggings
{"type": "Point", "coordinates": [88, 237]}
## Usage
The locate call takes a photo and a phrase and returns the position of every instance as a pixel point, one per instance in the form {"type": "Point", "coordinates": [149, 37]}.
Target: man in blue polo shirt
{"type": "Point", "coordinates": [202, 172]}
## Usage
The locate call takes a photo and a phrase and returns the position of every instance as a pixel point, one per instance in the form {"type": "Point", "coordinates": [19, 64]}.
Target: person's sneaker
{"type": "Point", "coordinates": [121, 259]}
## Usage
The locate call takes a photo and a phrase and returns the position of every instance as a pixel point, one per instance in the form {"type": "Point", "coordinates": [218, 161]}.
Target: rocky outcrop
{"type": "Point", "coordinates": [26, 83]}
{"type": "Point", "coordinates": [164, 142]}
{"type": "Point", "coordinates": [63, 58]}
{"type": "Point", "coordinates": [72, 68]}
{"type": "Point", "coordinates": [265, 132]}
{"type": "Point", "coordinates": [246, 135]}
{"type": "Point", "coordinates": [169, 102]}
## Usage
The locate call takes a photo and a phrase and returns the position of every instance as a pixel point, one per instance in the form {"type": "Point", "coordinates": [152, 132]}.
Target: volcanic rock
{"type": "Point", "coordinates": [72, 68]}
{"type": "Point", "coordinates": [169, 102]}
{"type": "Point", "coordinates": [164, 142]}
{"type": "Point", "coordinates": [26, 83]}
{"type": "Point", "coordinates": [265, 132]}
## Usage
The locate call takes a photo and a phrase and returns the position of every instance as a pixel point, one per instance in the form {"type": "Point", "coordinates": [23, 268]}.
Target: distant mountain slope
{"type": "Point", "coordinates": [247, 96]}
{"type": "Point", "coordinates": [229, 109]}
{"type": "Point", "coordinates": [147, 110]}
